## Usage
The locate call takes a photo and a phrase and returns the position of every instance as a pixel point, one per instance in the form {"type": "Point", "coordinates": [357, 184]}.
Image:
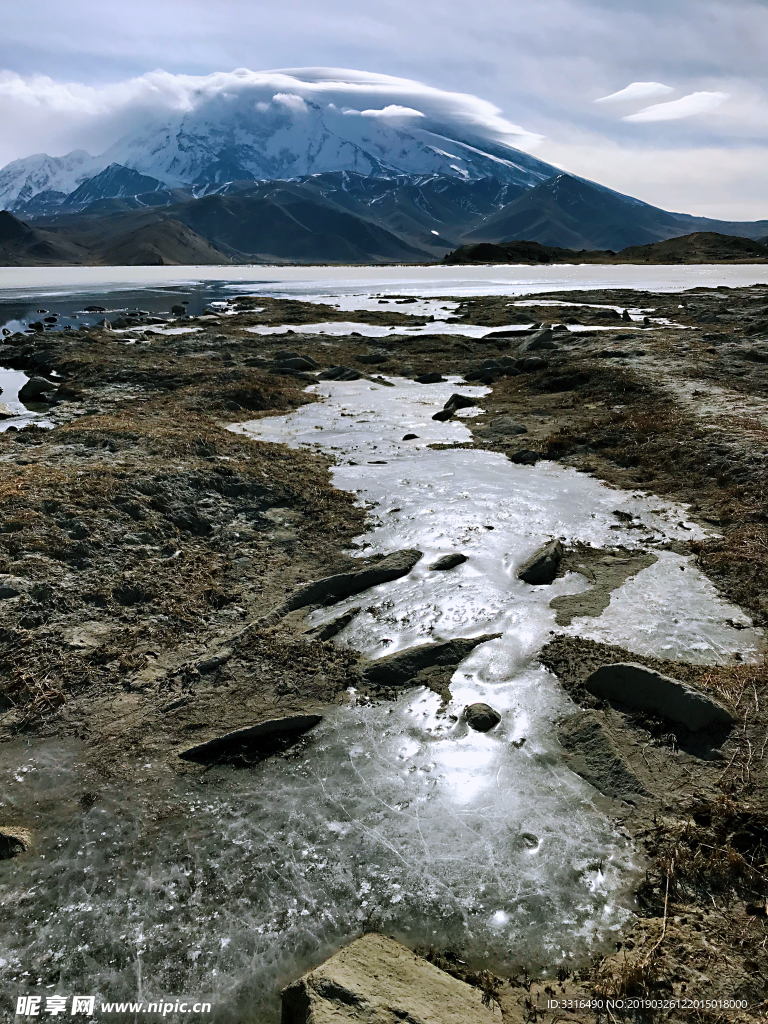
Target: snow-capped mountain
{"type": "Point", "coordinates": [22, 179]}
{"type": "Point", "coordinates": [291, 137]}
{"type": "Point", "coordinates": [253, 132]}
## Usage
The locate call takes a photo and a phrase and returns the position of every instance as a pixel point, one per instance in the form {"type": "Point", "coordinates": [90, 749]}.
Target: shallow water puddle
{"type": "Point", "coordinates": [14, 413]}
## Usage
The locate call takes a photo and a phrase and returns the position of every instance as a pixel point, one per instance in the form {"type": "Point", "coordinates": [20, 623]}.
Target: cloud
{"type": "Point", "coordinates": [96, 116]}
{"type": "Point", "coordinates": [289, 100]}
{"type": "Point", "coordinates": [687, 106]}
{"type": "Point", "coordinates": [637, 91]}
{"type": "Point", "coordinates": [390, 111]}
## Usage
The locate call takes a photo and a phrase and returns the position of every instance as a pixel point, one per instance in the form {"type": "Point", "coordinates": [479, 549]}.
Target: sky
{"type": "Point", "coordinates": [665, 100]}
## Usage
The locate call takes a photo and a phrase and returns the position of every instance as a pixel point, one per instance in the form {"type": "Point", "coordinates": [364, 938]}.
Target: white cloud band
{"type": "Point", "coordinates": [687, 106]}
{"type": "Point", "coordinates": [637, 91]}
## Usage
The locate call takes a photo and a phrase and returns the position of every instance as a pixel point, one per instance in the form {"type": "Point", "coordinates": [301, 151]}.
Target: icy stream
{"type": "Point", "coordinates": [394, 815]}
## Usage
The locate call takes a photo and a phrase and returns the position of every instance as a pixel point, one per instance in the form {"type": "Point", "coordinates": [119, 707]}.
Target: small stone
{"type": "Point", "coordinates": [215, 661]}
{"type": "Point", "coordinates": [541, 567]}
{"type": "Point", "coordinates": [448, 561]}
{"type": "Point", "coordinates": [6, 412]}
{"type": "Point", "coordinates": [13, 841]}
{"type": "Point", "coordinates": [429, 378]}
{"type": "Point", "coordinates": [481, 717]}
{"type": "Point", "coordinates": [410, 437]}
{"type": "Point", "coordinates": [11, 586]}
{"type": "Point", "coordinates": [443, 415]}
{"type": "Point", "coordinates": [178, 310]}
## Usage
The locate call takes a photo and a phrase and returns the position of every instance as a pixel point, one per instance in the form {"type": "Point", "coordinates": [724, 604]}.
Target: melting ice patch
{"type": "Point", "coordinates": [395, 815]}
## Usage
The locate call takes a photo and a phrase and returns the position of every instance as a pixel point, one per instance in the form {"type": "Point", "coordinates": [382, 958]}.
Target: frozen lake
{"type": "Point", "coordinates": [58, 282]}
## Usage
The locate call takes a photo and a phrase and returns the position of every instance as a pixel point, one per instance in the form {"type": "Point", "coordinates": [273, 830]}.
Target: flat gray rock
{"type": "Point", "coordinates": [542, 566]}
{"type": "Point", "coordinates": [328, 630]}
{"type": "Point", "coordinates": [641, 687]}
{"type": "Point", "coordinates": [536, 342]}
{"type": "Point", "coordinates": [345, 584]}
{"type": "Point", "coordinates": [398, 668]}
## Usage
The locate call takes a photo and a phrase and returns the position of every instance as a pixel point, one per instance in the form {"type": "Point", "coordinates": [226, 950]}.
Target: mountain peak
{"type": "Point", "coordinates": [12, 229]}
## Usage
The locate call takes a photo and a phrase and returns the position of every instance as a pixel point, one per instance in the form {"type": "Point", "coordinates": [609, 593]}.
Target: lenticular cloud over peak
{"type": "Point", "coordinates": [204, 130]}
{"type": "Point", "coordinates": [162, 93]}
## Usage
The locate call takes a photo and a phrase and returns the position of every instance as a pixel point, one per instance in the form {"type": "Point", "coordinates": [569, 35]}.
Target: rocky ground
{"type": "Point", "coordinates": [143, 548]}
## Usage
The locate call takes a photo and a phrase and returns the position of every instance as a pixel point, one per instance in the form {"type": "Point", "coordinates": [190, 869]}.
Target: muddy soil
{"type": "Point", "coordinates": [139, 538]}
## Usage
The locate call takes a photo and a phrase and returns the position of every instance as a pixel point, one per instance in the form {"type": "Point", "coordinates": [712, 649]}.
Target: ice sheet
{"type": "Point", "coordinates": [428, 281]}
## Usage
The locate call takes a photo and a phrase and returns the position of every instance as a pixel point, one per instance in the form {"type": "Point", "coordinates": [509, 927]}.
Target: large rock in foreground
{"type": "Point", "coordinates": [641, 687]}
{"type": "Point", "coordinates": [375, 980]}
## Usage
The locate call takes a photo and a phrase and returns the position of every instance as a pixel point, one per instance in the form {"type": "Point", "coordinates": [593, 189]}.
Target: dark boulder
{"type": "Point", "coordinates": [35, 388]}
{"type": "Point", "coordinates": [481, 717]}
{"type": "Point", "coordinates": [541, 567]}
{"type": "Point", "coordinates": [525, 457]}
{"type": "Point", "coordinates": [449, 561]}
{"type": "Point", "coordinates": [457, 401]}
{"type": "Point", "coordinates": [372, 358]}
{"type": "Point", "coordinates": [532, 363]}
{"type": "Point", "coordinates": [298, 363]}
